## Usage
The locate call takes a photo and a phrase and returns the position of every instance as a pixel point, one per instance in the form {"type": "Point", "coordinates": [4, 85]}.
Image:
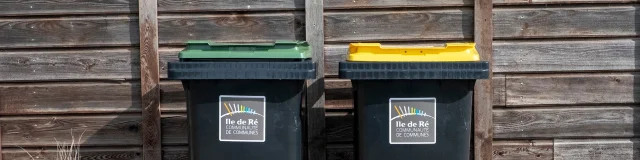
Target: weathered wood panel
{"type": "Point", "coordinates": [175, 129]}
{"type": "Point", "coordinates": [92, 153]}
{"type": "Point", "coordinates": [350, 4]}
{"type": "Point", "coordinates": [102, 31]}
{"type": "Point", "coordinates": [572, 89]}
{"type": "Point", "coordinates": [98, 153]}
{"type": "Point", "coordinates": [228, 5]}
{"type": "Point", "coordinates": [340, 96]}
{"type": "Point", "coordinates": [534, 123]}
{"type": "Point", "coordinates": [569, 122]}
{"type": "Point", "coordinates": [566, 56]}
{"type": "Point", "coordinates": [61, 64]}
{"type": "Point", "coordinates": [596, 149]}
{"type": "Point", "coordinates": [553, 22]}
{"type": "Point", "coordinates": [523, 150]}
{"type": "Point", "coordinates": [233, 27]}
{"type": "Point", "coordinates": [51, 7]}
{"type": "Point", "coordinates": [502, 150]}
{"type": "Point", "coordinates": [451, 24]}
{"type": "Point", "coordinates": [65, 97]}
{"type": "Point", "coordinates": [456, 24]}
{"type": "Point", "coordinates": [99, 130]}
{"type": "Point", "coordinates": [83, 97]}
{"type": "Point", "coordinates": [56, 7]}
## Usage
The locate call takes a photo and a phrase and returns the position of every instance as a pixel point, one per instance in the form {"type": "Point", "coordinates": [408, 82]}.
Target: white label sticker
{"type": "Point", "coordinates": [242, 118]}
{"type": "Point", "coordinates": [412, 121]}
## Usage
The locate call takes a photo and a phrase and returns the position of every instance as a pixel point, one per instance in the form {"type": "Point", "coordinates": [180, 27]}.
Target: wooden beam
{"type": "Point", "coordinates": [149, 80]}
{"type": "Point", "coordinates": [482, 98]}
{"type": "Point", "coordinates": [314, 108]}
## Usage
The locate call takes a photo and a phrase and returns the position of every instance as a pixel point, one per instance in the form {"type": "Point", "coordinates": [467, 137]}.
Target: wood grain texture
{"type": "Point", "coordinates": [349, 4]}
{"type": "Point", "coordinates": [567, 122]}
{"type": "Point", "coordinates": [66, 97]}
{"type": "Point", "coordinates": [596, 149]}
{"type": "Point", "coordinates": [232, 27]}
{"type": "Point", "coordinates": [98, 153]}
{"type": "Point", "coordinates": [523, 149]}
{"type": "Point", "coordinates": [149, 80]}
{"type": "Point", "coordinates": [175, 129]}
{"type": "Point", "coordinates": [399, 25]}
{"type": "Point", "coordinates": [92, 153]}
{"type": "Point", "coordinates": [456, 24]}
{"type": "Point", "coordinates": [572, 89]}
{"type": "Point", "coordinates": [57, 7]}
{"type": "Point", "coordinates": [67, 64]}
{"type": "Point", "coordinates": [69, 31]}
{"type": "Point", "coordinates": [100, 31]}
{"type": "Point", "coordinates": [566, 56]}
{"type": "Point", "coordinates": [228, 5]}
{"type": "Point", "coordinates": [483, 90]}
{"type": "Point", "coordinates": [315, 95]}
{"type": "Point", "coordinates": [605, 21]}
{"type": "Point", "coordinates": [99, 130]}
{"type": "Point", "coordinates": [339, 93]}
{"type": "Point", "coordinates": [503, 150]}
{"type": "Point", "coordinates": [84, 97]}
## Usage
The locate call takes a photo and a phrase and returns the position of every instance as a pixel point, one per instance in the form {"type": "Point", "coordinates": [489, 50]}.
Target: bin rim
{"type": "Point", "coordinates": [241, 70]}
{"type": "Point", "coordinates": [413, 70]}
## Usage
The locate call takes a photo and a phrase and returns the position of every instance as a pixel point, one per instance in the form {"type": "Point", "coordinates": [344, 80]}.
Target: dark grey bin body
{"type": "Point", "coordinates": [281, 83]}
{"type": "Point", "coordinates": [451, 84]}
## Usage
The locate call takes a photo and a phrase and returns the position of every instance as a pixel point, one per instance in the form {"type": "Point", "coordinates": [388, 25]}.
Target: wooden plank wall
{"type": "Point", "coordinates": [564, 84]}
{"type": "Point", "coordinates": [75, 66]}
{"type": "Point", "coordinates": [565, 71]}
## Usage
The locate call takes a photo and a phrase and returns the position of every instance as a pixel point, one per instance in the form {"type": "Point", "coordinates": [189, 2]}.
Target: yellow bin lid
{"type": "Point", "coordinates": [374, 52]}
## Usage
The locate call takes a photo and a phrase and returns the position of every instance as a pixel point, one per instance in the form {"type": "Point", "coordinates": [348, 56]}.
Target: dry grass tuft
{"type": "Point", "coordinates": [65, 151]}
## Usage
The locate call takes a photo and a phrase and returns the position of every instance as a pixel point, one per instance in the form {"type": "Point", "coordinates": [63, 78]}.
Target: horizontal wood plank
{"type": "Point", "coordinates": [93, 153]}
{"type": "Point", "coordinates": [456, 24]}
{"type": "Point", "coordinates": [554, 22]}
{"type": "Point", "coordinates": [534, 123]}
{"type": "Point", "coordinates": [103, 130]}
{"type": "Point", "coordinates": [571, 122]}
{"type": "Point", "coordinates": [56, 7]}
{"type": "Point", "coordinates": [65, 98]}
{"type": "Point", "coordinates": [566, 56]}
{"type": "Point", "coordinates": [83, 97]}
{"type": "Point", "coordinates": [96, 153]}
{"type": "Point", "coordinates": [99, 31]}
{"type": "Point", "coordinates": [503, 150]}
{"type": "Point", "coordinates": [574, 89]}
{"type": "Point", "coordinates": [596, 149]}
{"type": "Point", "coordinates": [351, 4]}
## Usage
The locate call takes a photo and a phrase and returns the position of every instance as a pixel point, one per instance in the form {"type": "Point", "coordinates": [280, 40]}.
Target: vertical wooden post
{"type": "Point", "coordinates": [316, 139]}
{"type": "Point", "coordinates": [149, 80]}
{"type": "Point", "coordinates": [483, 116]}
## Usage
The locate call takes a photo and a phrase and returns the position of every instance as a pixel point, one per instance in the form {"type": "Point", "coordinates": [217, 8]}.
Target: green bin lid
{"type": "Point", "coordinates": [277, 50]}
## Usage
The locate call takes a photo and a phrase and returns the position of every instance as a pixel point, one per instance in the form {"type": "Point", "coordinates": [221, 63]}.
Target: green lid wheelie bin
{"type": "Point", "coordinates": [413, 103]}
{"type": "Point", "coordinates": [244, 100]}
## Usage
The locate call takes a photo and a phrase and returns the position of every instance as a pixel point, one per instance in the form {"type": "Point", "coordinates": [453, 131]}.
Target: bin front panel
{"type": "Point", "coordinates": [277, 133]}
{"type": "Point", "coordinates": [377, 137]}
